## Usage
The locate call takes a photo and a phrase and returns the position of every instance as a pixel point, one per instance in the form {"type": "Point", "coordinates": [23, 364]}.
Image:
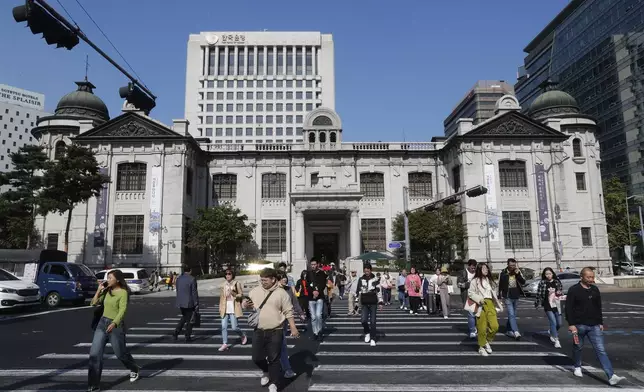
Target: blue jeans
{"type": "Point", "coordinates": [117, 340]}
{"type": "Point", "coordinates": [596, 338]}
{"type": "Point", "coordinates": [316, 307]}
{"type": "Point", "coordinates": [403, 299]}
{"type": "Point", "coordinates": [471, 322]}
{"type": "Point", "coordinates": [555, 323]}
{"type": "Point", "coordinates": [286, 364]}
{"type": "Point", "coordinates": [511, 304]}
{"type": "Point", "coordinates": [233, 325]}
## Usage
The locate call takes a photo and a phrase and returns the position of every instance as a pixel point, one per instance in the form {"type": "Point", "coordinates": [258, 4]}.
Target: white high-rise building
{"type": "Point", "coordinates": [20, 110]}
{"type": "Point", "coordinates": [257, 87]}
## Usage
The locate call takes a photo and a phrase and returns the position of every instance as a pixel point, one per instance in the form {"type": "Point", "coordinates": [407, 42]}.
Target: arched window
{"type": "Point", "coordinates": [274, 186]}
{"type": "Point", "coordinates": [420, 184]}
{"type": "Point", "coordinates": [372, 184]}
{"type": "Point", "coordinates": [60, 149]}
{"type": "Point", "coordinates": [576, 147]}
{"type": "Point", "coordinates": [312, 137]}
{"type": "Point", "coordinates": [333, 137]}
{"type": "Point", "coordinates": [224, 186]}
{"type": "Point", "coordinates": [131, 176]}
{"type": "Point", "coordinates": [322, 120]}
{"type": "Point", "coordinates": [322, 137]}
{"type": "Point", "coordinates": [512, 174]}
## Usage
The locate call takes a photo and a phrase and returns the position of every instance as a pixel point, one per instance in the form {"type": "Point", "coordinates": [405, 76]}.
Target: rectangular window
{"type": "Point", "coordinates": [581, 181]}
{"type": "Point", "coordinates": [224, 187]}
{"type": "Point", "coordinates": [249, 107]}
{"type": "Point", "coordinates": [298, 95]}
{"type": "Point", "coordinates": [189, 181]}
{"type": "Point", "coordinates": [289, 95]}
{"type": "Point", "coordinates": [229, 107]}
{"type": "Point", "coordinates": [260, 83]}
{"type": "Point", "coordinates": [420, 185]}
{"type": "Point", "coordinates": [269, 62]}
{"type": "Point", "coordinates": [240, 107]}
{"type": "Point", "coordinates": [229, 119]}
{"type": "Point", "coordinates": [280, 60]}
{"type": "Point", "coordinates": [517, 230]}
{"type": "Point", "coordinates": [222, 62]}
{"type": "Point", "coordinates": [309, 95]}
{"type": "Point", "coordinates": [269, 131]}
{"type": "Point", "coordinates": [260, 95]}
{"type": "Point", "coordinates": [219, 132]}
{"type": "Point", "coordinates": [269, 107]}
{"type": "Point", "coordinates": [240, 61]}
{"type": "Point", "coordinates": [220, 95]}
{"type": "Point", "coordinates": [249, 95]}
{"type": "Point", "coordinates": [239, 119]}
{"type": "Point", "coordinates": [131, 176]}
{"type": "Point", "coordinates": [231, 61]}
{"type": "Point", "coordinates": [279, 107]}
{"type": "Point", "coordinates": [220, 107]}
{"type": "Point", "coordinates": [299, 107]}
{"type": "Point", "coordinates": [210, 96]}
{"type": "Point", "coordinates": [289, 107]}
{"type": "Point", "coordinates": [273, 236]}
{"type": "Point", "coordinates": [374, 235]}
{"type": "Point", "coordinates": [52, 241]}
{"type": "Point", "coordinates": [269, 94]}
{"type": "Point", "coordinates": [289, 60]}
{"type": "Point", "coordinates": [260, 107]}
{"type": "Point", "coordinates": [512, 174]}
{"type": "Point", "coordinates": [298, 63]}
{"type": "Point", "coordinates": [230, 84]}
{"type": "Point", "coordinates": [260, 63]}
{"type": "Point", "coordinates": [456, 178]}
{"type": "Point", "coordinates": [372, 184]}
{"type": "Point", "coordinates": [240, 95]}
{"type": "Point", "coordinates": [309, 107]}
{"type": "Point", "coordinates": [209, 132]}
{"type": "Point", "coordinates": [249, 131]}
{"type": "Point", "coordinates": [219, 120]}
{"type": "Point", "coordinates": [309, 61]}
{"type": "Point", "coordinates": [249, 119]}
{"type": "Point", "coordinates": [586, 238]}
{"type": "Point", "coordinates": [128, 234]}
{"type": "Point", "coordinates": [251, 61]}
{"type": "Point", "coordinates": [229, 131]}
{"type": "Point", "coordinates": [274, 186]}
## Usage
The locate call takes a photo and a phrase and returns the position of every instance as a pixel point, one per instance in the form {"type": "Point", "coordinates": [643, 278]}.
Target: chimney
{"type": "Point", "coordinates": [464, 125]}
{"type": "Point", "coordinates": [180, 126]}
{"type": "Point", "coordinates": [84, 126]}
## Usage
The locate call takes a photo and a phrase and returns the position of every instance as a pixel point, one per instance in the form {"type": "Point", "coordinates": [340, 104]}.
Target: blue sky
{"type": "Point", "coordinates": [400, 66]}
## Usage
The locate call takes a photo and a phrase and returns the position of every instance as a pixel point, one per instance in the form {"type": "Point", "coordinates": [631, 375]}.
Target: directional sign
{"type": "Point", "coordinates": [395, 245]}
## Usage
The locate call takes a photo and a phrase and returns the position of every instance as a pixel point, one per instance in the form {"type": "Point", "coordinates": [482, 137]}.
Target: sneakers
{"type": "Point", "coordinates": [445, 317]}
{"type": "Point", "coordinates": [473, 335]}
{"type": "Point", "coordinates": [224, 347]}
{"type": "Point", "coordinates": [615, 379]}
{"type": "Point", "coordinates": [517, 335]}
{"type": "Point", "coordinates": [577, 372]}
{"type": "Point", "coordinates": [135, 375]}
{"type": "Point", "coordinates": [289, 374]}
{"type": "Point", "coordinates": [367, 338]}
{"type": "Point", "coordinates": [244, 340]}
{"type": "Point", "coordinates": [483, 352]}
{"type": "Point", "coordinates": [557, 344]}
{"type": "Point", "coordinates": [93, 389]}
{"type": "Point", "coordinates": [272, 388]}
{"type": "Point", "coordinates": [372, 343]}
{"type": "Point", "coordinates": [552, 340]}
{"type": "Point", "coordinates": [411, 312]}
{"type": "Point", "coordinates": [488, 348]}
{"type": "Point", "coordinates": [510, 334]}
{"type": "Point", "coordinates": [264, 380]}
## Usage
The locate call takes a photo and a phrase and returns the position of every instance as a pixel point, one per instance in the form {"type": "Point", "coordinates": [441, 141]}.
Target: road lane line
{"type": "Point", "coordinates": [187, 357]}
{"type": "Point", "coordinates": [433, 343]}
{"type": "Point", "coordinates": [623, 304]}
{"type": "Point", "coordinates": [435, 353]}
{"type": "Point", "coordinates": [9, 318]}
{"type": "Point", "coordinates": [177, 345]}
{"type": "Point", "coordinates": [82, 372]}
{"type": "Point", "coordinates": [451, 368]}
{"type": "Point", "coordinates": [458, 388]}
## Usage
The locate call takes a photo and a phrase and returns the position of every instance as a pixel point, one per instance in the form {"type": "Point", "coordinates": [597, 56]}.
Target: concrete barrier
{"type": "Point", "coordinates": [629, 281]}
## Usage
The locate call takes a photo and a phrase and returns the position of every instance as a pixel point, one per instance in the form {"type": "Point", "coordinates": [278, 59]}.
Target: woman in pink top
{"type": "Point", "coordinates": [413, 289]}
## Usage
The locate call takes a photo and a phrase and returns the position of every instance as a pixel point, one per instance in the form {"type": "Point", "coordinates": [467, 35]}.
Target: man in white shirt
{"type": "Point", "coordinates": [463, 283]}
{"type": "Point", "coordinates": [350, 289]}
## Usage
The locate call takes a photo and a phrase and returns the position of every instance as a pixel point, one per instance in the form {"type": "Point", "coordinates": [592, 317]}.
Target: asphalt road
{"type": "Point", "coordinates": [414, 353]}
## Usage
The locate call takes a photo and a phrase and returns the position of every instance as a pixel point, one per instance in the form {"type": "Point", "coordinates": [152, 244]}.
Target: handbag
{"type": "Point", "coordinates": [195, 320]}
{"type": "Point", "coordinates": [98, 313]}
{"type": "Point", "coordinates": [471, 306]}
{"type": "Point", "coordinates": [253, 318]}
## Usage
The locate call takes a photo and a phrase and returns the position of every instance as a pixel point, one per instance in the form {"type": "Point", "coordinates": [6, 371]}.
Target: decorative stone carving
{"type": "Point", "coordinates": [512, 127]}
{"type": "Point", "coordinates": [133, 129]}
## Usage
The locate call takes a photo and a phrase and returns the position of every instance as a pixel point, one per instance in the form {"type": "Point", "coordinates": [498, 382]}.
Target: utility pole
{"type": "Point", "coordinates": [406, 221]}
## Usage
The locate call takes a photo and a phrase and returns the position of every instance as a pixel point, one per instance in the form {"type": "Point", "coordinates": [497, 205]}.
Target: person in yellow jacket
{"type": "Point", "coordinates": [230, 309]}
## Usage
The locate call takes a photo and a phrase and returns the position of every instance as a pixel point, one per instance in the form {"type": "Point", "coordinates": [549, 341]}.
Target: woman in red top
{"type": "Point", "coordinates": [302, 292]}
{"type": "Point", "coordinates": [413, 288]}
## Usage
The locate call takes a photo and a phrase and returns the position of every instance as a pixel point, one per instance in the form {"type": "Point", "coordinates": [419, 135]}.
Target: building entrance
{"type": "Point", "coordinates": [325, 247]}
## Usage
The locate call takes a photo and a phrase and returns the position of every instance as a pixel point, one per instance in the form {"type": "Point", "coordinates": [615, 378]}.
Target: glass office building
{"type": "Point", "coordinates": [594, 49]}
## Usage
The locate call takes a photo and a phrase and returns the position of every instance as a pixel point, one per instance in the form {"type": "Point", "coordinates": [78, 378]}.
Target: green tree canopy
{"type": "Point", "coordinates": [433, 235]}
{"type": "Point", "coordinates": [615, 193]}
{"type": "Point", "coordinates": [73, 179]}
{"type": "Point", "coordinates": [221, 230]}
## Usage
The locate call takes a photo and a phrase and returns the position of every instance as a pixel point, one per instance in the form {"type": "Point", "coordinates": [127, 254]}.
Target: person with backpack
{"type": "Point", "coordinates": [368, 290]}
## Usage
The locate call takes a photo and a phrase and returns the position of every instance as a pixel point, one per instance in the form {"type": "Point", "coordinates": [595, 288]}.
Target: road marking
{"type": "Point", "coordinates": [195, 337]}
{"type": "Point", "coordinates": [82, 372]}
{"type": "Point", "coordinates": [218, 325]}
{"type": "Point", "coordinates": [622, 304]}
{"type": "Point", "coordinates": [175, 345]}
{"type": "Point", "coordinates": [432, 354]}
{"type": "Point", "coordinates": [9, 318]}
{"type": "Point", "coordinates": [137, 390]}
{"type": "Point", "coordinates": [451, 368]}
{"type": "Point", "coordinates": [399, 322]}
{"type": "Point", "coordinates": [457, 388]}
{"type": "Point", "coordinates": [188, 357]}
{"type": "Point", "coordinates": [401, 334]}
{"type": "Point", "coordinates": [437, 343]}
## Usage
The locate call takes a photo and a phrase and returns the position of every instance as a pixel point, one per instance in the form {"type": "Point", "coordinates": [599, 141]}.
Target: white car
{"type": "Point", "coordinates": [15, 292]}
{"type": "Point", "coordinates": [138, 279]}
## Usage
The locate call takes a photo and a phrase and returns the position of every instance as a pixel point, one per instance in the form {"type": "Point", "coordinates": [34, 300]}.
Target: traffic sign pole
{"type": "Point", "coordinates": [406, 221]}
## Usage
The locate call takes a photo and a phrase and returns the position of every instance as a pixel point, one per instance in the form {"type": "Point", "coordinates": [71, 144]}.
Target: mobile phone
{"type": "Point", "coordinates": [243, 297]}
{"type": "Point", "coordinates": [104, 284]}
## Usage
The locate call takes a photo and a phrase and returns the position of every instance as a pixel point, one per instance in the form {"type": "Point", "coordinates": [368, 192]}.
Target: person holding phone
{"type": "Point", "coordinates": [510, 282]}
{"type": "Point", "coordinates": [114, 296]}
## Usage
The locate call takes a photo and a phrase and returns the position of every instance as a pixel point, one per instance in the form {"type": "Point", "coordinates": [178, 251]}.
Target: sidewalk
{"type": "Point", "coordinates": [210, 287]}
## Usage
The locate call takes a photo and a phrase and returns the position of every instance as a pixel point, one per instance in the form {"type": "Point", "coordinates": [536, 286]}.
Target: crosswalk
{"type": "Point", "coordinates": [428, 353]}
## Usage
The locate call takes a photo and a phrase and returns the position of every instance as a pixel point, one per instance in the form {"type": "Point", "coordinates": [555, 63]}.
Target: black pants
{"type": "Point", "coordinates": [267, 346]}
{"type": "Point", "coordinates": [369, 319]}
{"type": "Point", "coordinates": [186, 317]}
{"type": "Point", "coordinates": [414, 303]}
{"type": "Point", "coordinates": [304, 304]}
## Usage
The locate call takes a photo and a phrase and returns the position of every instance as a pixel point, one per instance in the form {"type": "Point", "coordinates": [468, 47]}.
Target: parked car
{"type": "Point", "coordinates": [626, 268]}
{"type": "Point", "coordinates": [15, 292]}
{"type": "Point", "coordinates": [137, 279]}
{"type": "Point", "coordinates": [568, 279]}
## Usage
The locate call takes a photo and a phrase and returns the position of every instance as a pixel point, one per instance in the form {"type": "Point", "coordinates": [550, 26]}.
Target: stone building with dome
{"type": "Point", "coordinates": [332, 200]}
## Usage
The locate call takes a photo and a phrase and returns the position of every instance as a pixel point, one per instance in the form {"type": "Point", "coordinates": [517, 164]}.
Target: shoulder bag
{"type": "Point", "coordinates": [98, 313]}
{"type": "Point", "coordinates": [253, 318]}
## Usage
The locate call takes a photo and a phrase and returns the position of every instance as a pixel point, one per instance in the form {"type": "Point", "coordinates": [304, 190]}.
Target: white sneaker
{"type": "Point", "coordinates": [272, 388]}
{"type": "Point", "coordinates": [411, 312]}
{"type": "Point", "coordinates": [289, 374]}
{"type": "Point", "coordinates": [517, 335]}
{"type": "Point", "coordinates": [557, 344]}
{"type": "Point", "coordinates": [577, 372]}
{"type": "Point", "coordinates": [488, 348]}
{"type": "Point", "coordinates": [135, 376]}
{"type": "Point", "coordinates": [401, 307]}
{"type": "Point", "coordinates": [445, 317]}
{"type": "Point", "coordinates": [373, 343]}
{"type": "Point", "coordinates": [615, 379]}
{"type": "Point", "coordinates": [510, 334]}
{"type": "Point", "coordinates": [367, 338]}
{"type": "Point", "coordinates": [552, 340]}
{"type": "Point", "coordinates": [264, 380]}
{"type": "Point", "coordinates": [473, 335]}
{"type": "Point", "coordinates": [483, 352]}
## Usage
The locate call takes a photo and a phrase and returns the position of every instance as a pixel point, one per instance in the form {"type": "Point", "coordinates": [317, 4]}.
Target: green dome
{"type": "Point", "coordinates": [553, 102]}
{"type": "Point", "coordinates": [83, 104]}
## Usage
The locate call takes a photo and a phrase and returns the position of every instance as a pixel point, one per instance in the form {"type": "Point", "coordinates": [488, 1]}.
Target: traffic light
{"type": "Point", "coordinates": [451, 200]}
{"type": "Point", "coordinates": [40, 21]}
{"type": "Point", "coordinates": [137, 97]}
{"type": "Point", "coordinates": [477, 191]}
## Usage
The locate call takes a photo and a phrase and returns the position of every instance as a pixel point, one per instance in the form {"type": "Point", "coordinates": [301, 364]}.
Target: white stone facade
{"type": "Point", "coordinates": [327, 197]}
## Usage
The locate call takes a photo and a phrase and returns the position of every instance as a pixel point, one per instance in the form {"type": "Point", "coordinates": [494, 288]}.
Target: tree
{"type": "Point", "coordinates": [615, 193]}
{"type": "Point", "coordinates": [220, 230]}
{"type": "Point", "coordinates": [73, 179]}
{"type": "Point", "coordinates": [20, 203]}
{"type": "Point", "coordinates": [432, 235]}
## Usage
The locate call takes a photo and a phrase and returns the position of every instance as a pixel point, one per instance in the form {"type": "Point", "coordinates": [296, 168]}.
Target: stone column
{"type": "Point", "coordinates": [355, 233]}
{"type": "Point", "coordinates": [300, 237]}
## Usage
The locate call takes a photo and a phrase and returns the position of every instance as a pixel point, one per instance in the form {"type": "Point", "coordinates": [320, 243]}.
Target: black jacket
{"type": "Point", "coordinates": [504, 282]}
{"type": "Point", "coordinates": [368, 290]}
{"type": "Point", "coordinates": [317, 282]}
{"type": "Point", "coordinates": [584, 306]}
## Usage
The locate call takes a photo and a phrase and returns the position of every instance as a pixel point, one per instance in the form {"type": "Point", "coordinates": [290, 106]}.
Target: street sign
{"type": "Point", "coordinates": [395, 245]}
